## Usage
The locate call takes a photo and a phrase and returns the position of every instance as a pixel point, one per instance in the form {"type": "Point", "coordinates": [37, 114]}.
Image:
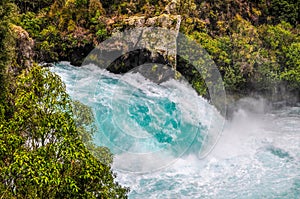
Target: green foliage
{"type": "Point", "coordinates": [285, 10]}
{"type": "Point", "coordinates": [224, 54]}
{"type": "Point", "coordinates": [292, 72]}
{"type": "Point", "coordinates": [32, 5]}
{"type": "Point", "coordinates": [251, 57]}
{"type": "Point", "coordinates": [277, 37]}
{"type": "Point", "coordinates": [186, 7]}
{"type": "Point", "coordinates": [249, 41]}
{"type": "Point", "coordinates": [293, 55]}
{"type": "Point", "coordinates": [3, 55]}
{"type": "Point", "coordinates": [8, 12]}
{"type": "Point", "coordinates": [80, 3]}
{"type": "Point", "coordinates": [84, 120]}
{"type": "Point", "coordinates": [49, 38]}
{"type": "Point", "coordinates": [46, 139]}
{"type": "Point", "coordinates": [275, 11]}
{"type": "Point", "coordinates": [245, 49]}
{"type": "Point", "coordinates": [42, 155]}
{"type": "Point", "coordinates": [101, 34]}
{"type": "Point", "coordinates": [32, 23]}
{"type": "Point", "coordinates": [200, 86]}
{"type": "Point", "coordinates": [281, 43]}
{"type": "Point", "coordinates": [62, 27]}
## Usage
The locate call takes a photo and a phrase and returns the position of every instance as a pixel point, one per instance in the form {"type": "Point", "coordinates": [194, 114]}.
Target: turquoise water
{"type": "Point", "coordinates": [158, 133]}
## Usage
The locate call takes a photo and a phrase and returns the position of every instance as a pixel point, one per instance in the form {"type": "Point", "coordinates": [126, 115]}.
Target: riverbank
{"type": "Point", "coordinates": [255, 49]}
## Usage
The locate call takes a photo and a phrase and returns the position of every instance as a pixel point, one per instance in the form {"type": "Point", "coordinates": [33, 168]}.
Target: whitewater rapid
{"type": "Point", "coordinates": [160, 130]}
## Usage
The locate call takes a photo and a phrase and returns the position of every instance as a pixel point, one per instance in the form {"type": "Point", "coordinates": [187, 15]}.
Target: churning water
{"type": "Point", "coordinates": [158, 131]}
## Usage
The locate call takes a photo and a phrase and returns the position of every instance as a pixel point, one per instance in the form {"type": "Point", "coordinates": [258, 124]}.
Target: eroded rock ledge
{"type": "Point", "coordinates": [143, 40]}
{"type": "Point", "coordinates": [24, 50]}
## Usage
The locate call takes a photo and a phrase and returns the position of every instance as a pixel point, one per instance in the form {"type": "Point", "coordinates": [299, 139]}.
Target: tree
{"type": "Point", "coordinates": [8, 13]}
{"type": "Point", "coordinates": [291, 74]}
{"type": "Point", "coordinates": [42, 155]}
{"type": "Point", "coordinates": [85, 123]}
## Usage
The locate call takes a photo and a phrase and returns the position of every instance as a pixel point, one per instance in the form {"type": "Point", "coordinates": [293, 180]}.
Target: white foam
{"type": "Point", "coordinates": [241, 165]}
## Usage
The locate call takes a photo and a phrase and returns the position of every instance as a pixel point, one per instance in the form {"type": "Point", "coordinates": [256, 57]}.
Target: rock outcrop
{"type": "Point", "coordinates": [24, 50]}
{"type": "Point", "coordinates": [145, 40]}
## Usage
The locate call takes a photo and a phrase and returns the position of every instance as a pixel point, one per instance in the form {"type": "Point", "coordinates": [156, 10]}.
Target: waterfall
{"type": "Point", "coordinates": [156, 132]}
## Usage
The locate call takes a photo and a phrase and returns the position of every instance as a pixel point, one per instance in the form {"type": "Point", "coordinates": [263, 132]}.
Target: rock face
{"type": "Point", "coordinates": [162, 44]}
{"type": "Point", "coordinates": [145, 40]}
{"type": "Point", "coordinates": [24, 49]}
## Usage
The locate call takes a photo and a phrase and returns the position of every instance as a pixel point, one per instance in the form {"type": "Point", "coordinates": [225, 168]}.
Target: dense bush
{"type": "Point", "coordinates": [255, 44]}
{"type": "Point", "coordinates": [46, 149]}
{"type": "Point", "coordinates": [42, 154]}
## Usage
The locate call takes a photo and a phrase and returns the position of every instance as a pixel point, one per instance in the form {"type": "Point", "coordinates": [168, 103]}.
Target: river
{"type": "Point", "coordinates": [158, 134]}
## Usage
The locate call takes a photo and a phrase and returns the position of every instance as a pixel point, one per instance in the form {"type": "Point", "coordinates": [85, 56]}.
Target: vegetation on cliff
{"type": "Point", "coordinates": [46, 148]}
{"type": "Point", "coordinates": [46, 139]}
{"type": "Point", "coordinates": [254, 43]}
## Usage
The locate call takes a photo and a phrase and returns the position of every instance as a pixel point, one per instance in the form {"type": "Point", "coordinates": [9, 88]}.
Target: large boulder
{"type": "Point", "coordinates": [145, 40]}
